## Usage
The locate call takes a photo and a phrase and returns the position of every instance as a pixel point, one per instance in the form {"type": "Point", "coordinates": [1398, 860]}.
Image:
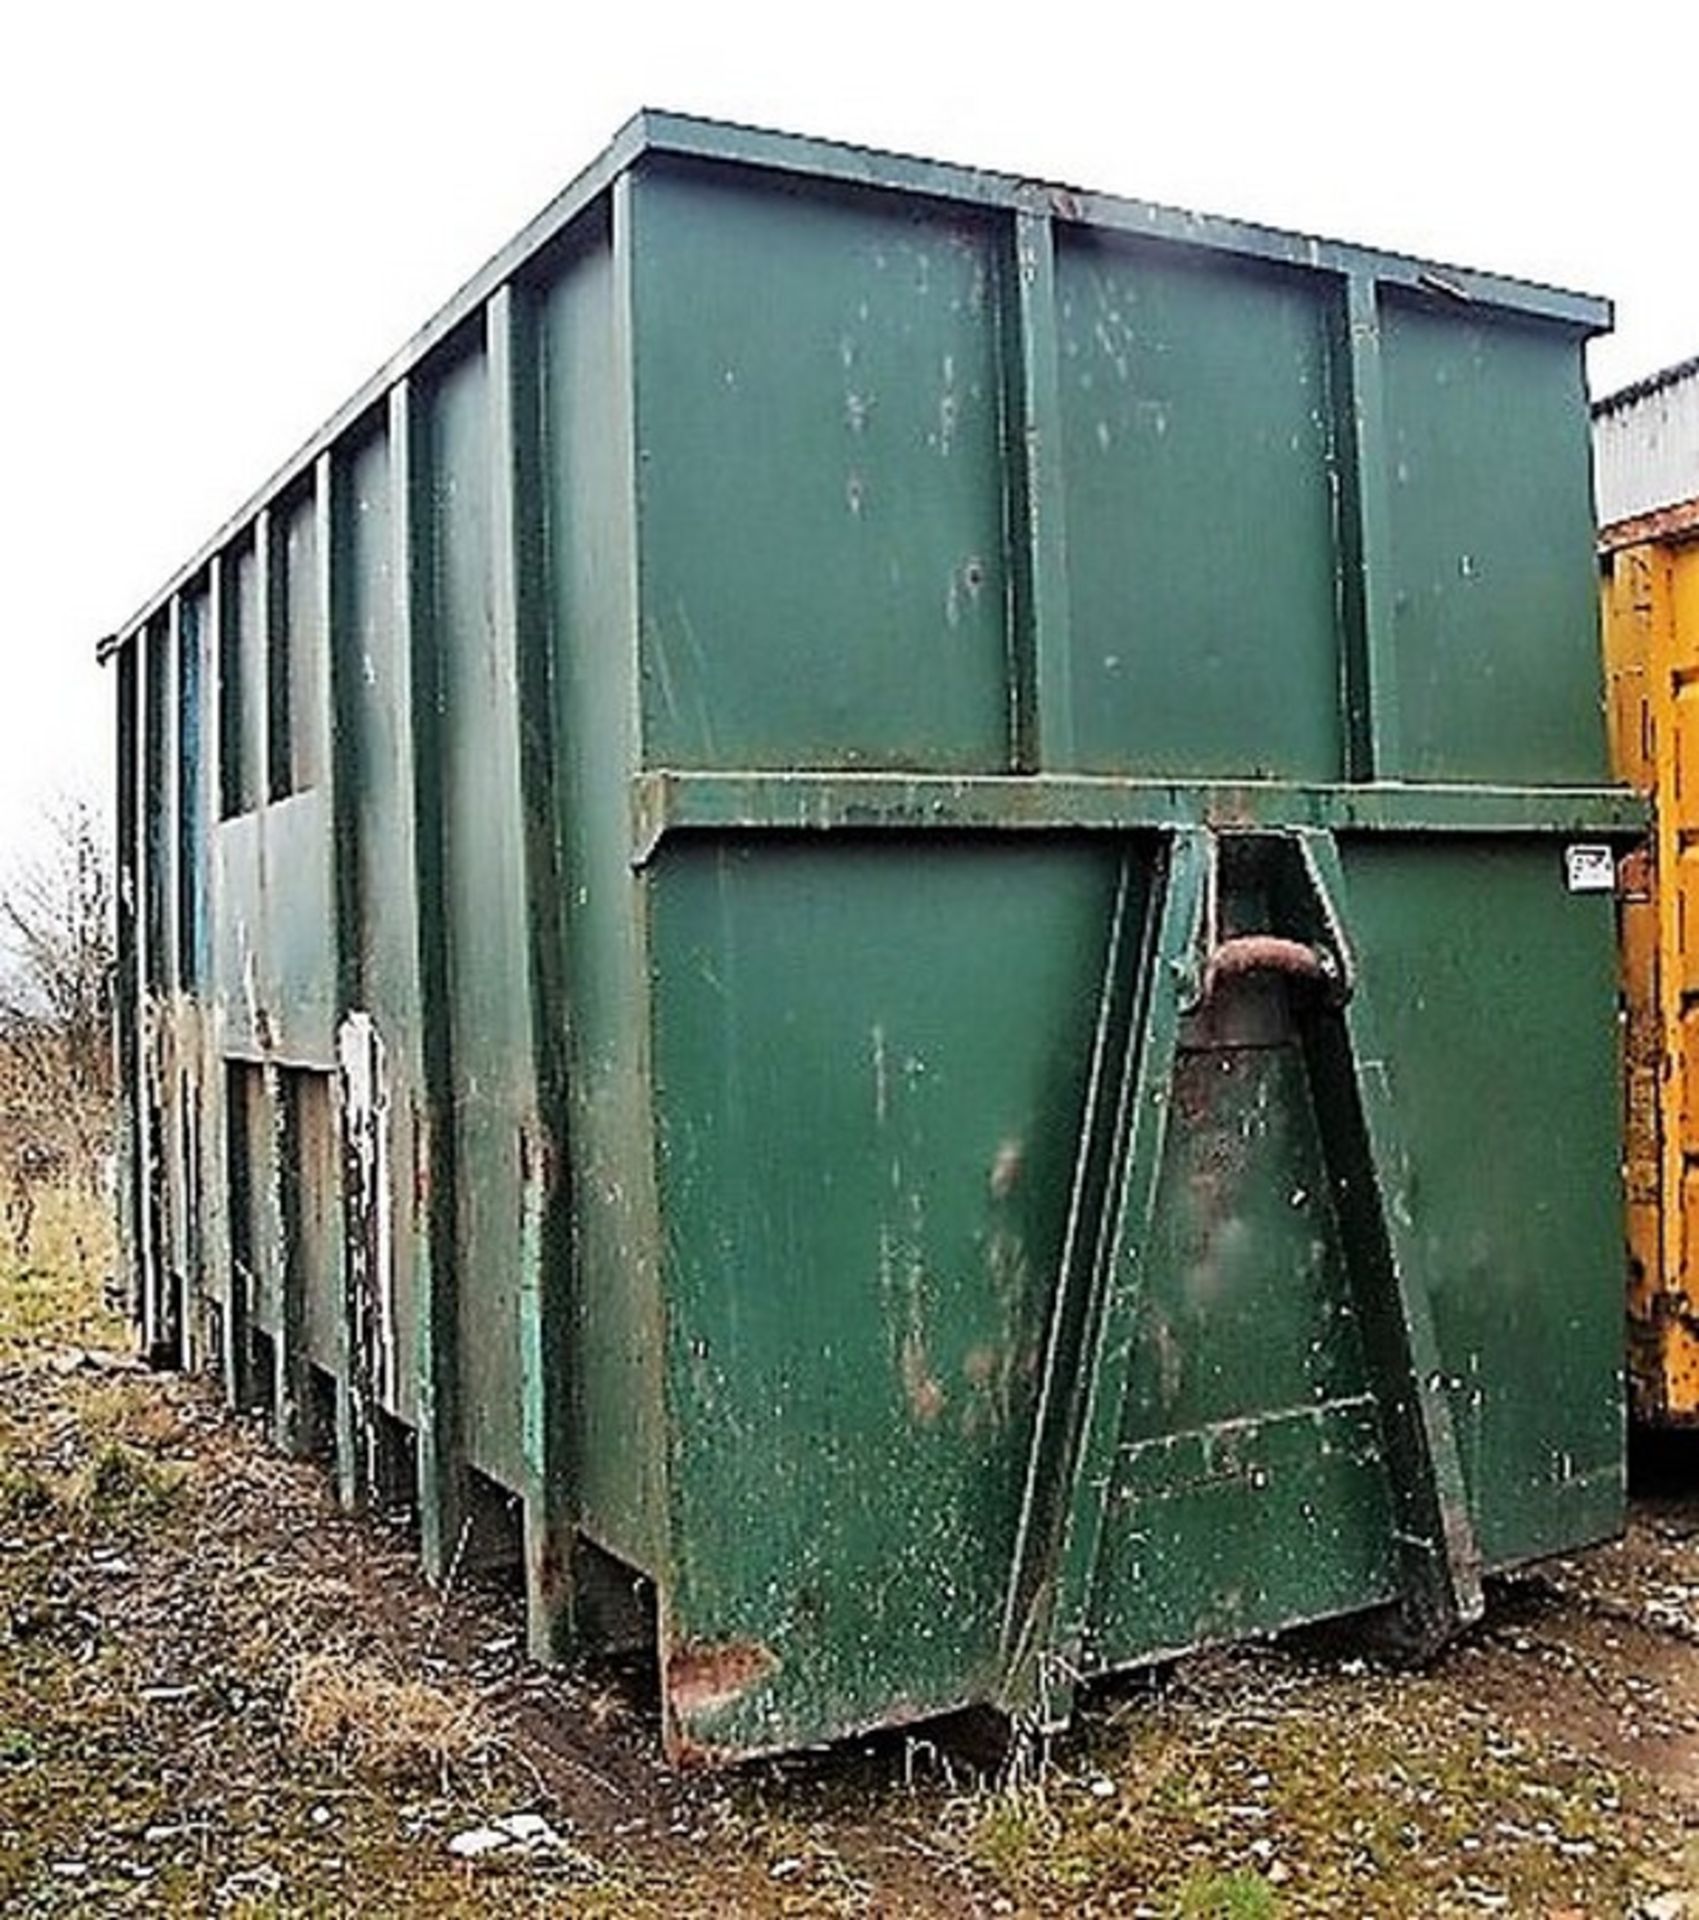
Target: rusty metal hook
{"type": "Point", "coordinates": [1269, 953]}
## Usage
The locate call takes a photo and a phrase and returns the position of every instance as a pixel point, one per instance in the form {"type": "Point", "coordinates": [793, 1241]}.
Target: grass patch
{"type": "Point", "coordinates": [1014, 1836]}
{"type": "Point", "coordinates": [56, 1295]}
{"type": "Point", "coordinates": [1252, 1807]}
{"type": "Point", "coordinates": [121, 1486]}
{"type": "Point", "coordinates": [1227, 1896]}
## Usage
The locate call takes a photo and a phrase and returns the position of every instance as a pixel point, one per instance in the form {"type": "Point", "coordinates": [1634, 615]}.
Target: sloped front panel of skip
{"type": "Point", "coordinates": [871, 1073]}
{"type": "Point", "coordinates": [1250, 1490]}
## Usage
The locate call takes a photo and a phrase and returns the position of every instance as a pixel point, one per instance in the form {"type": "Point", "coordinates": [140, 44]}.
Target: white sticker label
{"type": "Point", "coordinates": [1590, 869]}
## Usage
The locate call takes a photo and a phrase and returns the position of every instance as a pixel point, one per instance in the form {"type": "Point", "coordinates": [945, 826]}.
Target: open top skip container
{"type": "Point", "coordinates": [1646, 450]}
{"type": "Point", "coordinates": [880, 894]}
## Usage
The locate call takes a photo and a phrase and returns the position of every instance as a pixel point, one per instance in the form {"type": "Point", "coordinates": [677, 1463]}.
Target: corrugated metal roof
{"type": "Point", "coordinates": [1649, 384]}
{"type": "Point", "coordinates": [1646, 444]}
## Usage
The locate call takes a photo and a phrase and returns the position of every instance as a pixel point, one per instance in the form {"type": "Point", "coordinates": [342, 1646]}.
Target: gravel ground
{"type": "Point", "coordinates": [220, 1695]}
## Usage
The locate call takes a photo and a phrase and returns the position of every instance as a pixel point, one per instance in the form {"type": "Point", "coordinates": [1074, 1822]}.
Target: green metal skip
{"type": "Point", "coordinates": [880, 908]}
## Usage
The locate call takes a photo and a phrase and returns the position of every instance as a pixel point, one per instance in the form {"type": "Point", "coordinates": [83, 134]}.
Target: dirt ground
{"type": "Point", "coordinates": [219, 1695]}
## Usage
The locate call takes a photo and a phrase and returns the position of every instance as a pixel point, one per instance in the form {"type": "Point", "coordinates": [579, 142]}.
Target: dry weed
{"type": "Point", "coordinates": [113, 1410]}
{"type": "Point", "coordinates": [344, 1707]}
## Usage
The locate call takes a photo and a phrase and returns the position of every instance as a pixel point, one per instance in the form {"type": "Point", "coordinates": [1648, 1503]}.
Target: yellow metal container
{"type": "Point", "coordinates": [1650, 576]}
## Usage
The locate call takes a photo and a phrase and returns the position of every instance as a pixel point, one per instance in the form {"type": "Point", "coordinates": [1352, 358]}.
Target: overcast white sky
{"type": "Point", "coordinates": [218, 219]}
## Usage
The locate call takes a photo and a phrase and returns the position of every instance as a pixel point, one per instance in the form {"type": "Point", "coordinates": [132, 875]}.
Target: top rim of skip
{"type": "Point", "coordinates": [661, 132]}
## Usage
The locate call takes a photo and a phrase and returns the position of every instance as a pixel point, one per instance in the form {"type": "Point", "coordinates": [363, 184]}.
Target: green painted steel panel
{"type": "Point", "coordinates": [194, 790]}
{"type": "Point", "coordinates": [1201, 500]}
{"type": "Point", "coordinates": [243, 683]}
{"type": "Point", "coordinates": [1495, 612]}
{"type": "Point", "coordinates": [375, 695]}
{"type": "Point", "coordinates": [897, 1036]}
{"type": "Point", "coordinates": [482, 914]}
{"type": "Point", "coordinates": [238, 932]}
{"type": "Point", "coordinates": [376, 692]}
{"type": "Point", "coordinates": [820, 479]}
{"type": "Point", "coordinates": [297, 971]}
{"type": "Point", "coordinates": [296, 713]}
{"type": "Point", "coordinates": [158, 853]}
{"type": "Point", "coordinates": [616, 1330]}
{"type": "Point", "coordinates": [1249, 1310]}
{"type": "Point", "coordinates": [1498, 992]}
{"type": "Point", "coordinates": [1229, 1532]}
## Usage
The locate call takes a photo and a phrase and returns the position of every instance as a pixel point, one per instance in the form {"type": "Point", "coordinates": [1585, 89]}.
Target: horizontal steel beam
{"type": "Point", "coordinates": [667, 801]}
